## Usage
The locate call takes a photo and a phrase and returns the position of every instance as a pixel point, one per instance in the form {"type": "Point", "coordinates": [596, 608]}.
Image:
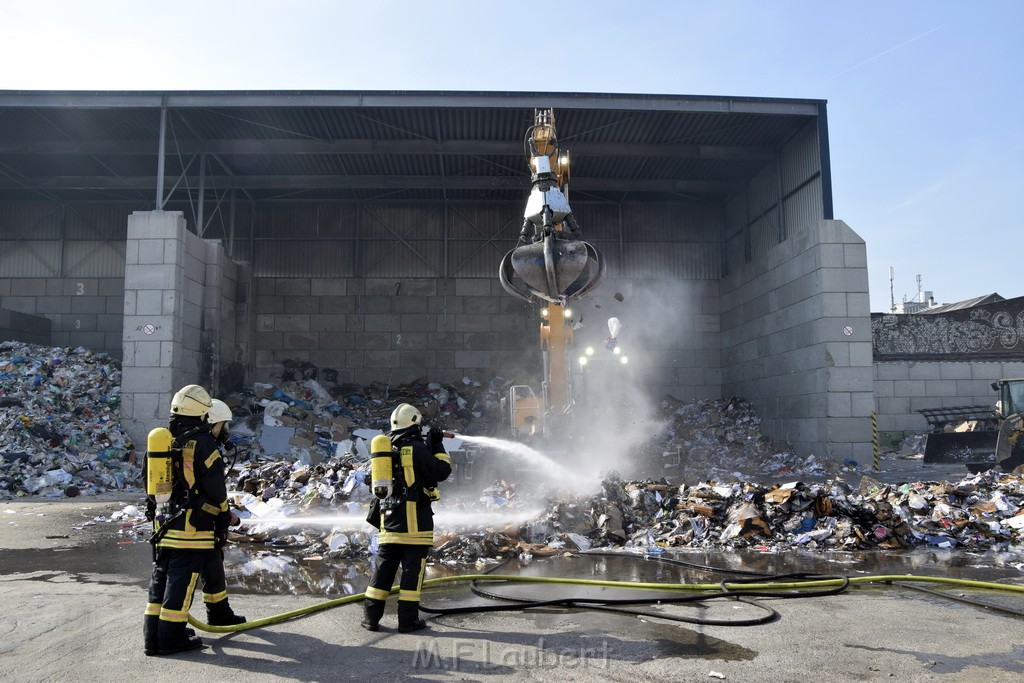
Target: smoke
{"type": "Point", "coordinates": [668, 340]}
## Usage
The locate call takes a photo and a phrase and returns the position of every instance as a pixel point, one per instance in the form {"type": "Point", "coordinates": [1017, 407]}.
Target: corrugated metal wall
{"type": "Point", "coordinates": [457, 240]}
{"type": "Point", "coordinates": [782, 196]}
{"type": "Point", "coordinates": [63, 240]}
{"type": "Point", "coordinates": [468, 240]}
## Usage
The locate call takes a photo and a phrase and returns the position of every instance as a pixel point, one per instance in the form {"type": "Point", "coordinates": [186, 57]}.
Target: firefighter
{"type": "Point", "coordinates": [185, 525]}
{"type": "Point", "coordinates": [407, 467]}
{"type": "Point", "coordinates": [215, 589]}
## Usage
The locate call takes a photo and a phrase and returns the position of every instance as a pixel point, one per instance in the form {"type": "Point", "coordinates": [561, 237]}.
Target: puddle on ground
{"type": "Point", "coordinates": [83, 562]}
{"type": "Point", "coordinates": [258, 569]}
{"type": "Point", "coordinates": [264, 570]}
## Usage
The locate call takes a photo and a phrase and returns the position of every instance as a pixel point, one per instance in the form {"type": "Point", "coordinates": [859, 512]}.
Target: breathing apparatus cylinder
{"type": "Point", "coordinates": [380, 466]}
{"type": "Point", "coordinates": [160, 467]}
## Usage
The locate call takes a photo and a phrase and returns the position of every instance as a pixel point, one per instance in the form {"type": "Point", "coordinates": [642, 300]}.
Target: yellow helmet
{"type": "Point", "coordinates": [191, 400]}
{"type": "Point", "coordinates": [219, 412]}
{"type": "Point", "coordinates": [405, 416]}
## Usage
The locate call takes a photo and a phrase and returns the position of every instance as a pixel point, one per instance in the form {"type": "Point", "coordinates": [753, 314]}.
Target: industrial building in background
{"type": "Point", "coordinates": [223, 238]}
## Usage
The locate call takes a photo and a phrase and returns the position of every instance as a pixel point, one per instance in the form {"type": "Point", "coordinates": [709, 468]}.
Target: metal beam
{"type": "Point", "coordinates": [383, 182]}
{"type": "Point", "coordinates": [410, 99]}
{"type": "Point", "coordinates": [260, 147]}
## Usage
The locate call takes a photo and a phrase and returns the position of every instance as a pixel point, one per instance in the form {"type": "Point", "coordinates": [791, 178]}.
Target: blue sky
{"type": "Point", "coordinates": [926, 111]}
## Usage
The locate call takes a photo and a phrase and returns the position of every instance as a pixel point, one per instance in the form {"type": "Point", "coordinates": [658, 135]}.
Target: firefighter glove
{"type": "Point", "coordinates": [435, 440]}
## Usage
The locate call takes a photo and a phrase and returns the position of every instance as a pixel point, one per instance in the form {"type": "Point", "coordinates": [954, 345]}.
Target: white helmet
{"type": "Point", "coordinates": [191, 400]}
{"type": "Point", "coordinates": [405, 416]}
{"type": "Point", "coordinates": [219, 412]}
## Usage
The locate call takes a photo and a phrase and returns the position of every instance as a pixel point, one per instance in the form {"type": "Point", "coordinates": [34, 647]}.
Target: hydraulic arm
{"type": "Point", "coordinates": [552, 264]}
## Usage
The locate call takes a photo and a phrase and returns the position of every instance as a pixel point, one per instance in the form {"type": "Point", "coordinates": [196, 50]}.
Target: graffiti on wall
{"type": "Point", "coordinates": [989, 332]}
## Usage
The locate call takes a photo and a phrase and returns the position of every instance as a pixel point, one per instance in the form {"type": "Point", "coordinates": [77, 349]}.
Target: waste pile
{"type": "Point", "coordinates": [711, 438]}
{"type": "Point", "coordinates": [59, 423]}
{"type": "Point", "coordinates": [305, 422]}
{"type": "Point", "coordinates": [978, 512]}
{"type": "Point", "coordinates": [299, 477]}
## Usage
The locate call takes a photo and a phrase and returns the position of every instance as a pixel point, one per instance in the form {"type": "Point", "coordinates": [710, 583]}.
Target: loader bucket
{"type": "Point", "coordinates": [964, 447]}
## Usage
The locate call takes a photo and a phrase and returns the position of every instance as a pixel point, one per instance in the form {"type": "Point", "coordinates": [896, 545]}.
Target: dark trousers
{"type": "Point", "coordinates": [175, 574]}
{"type": "Point", "coordinates": [413, 560]}
{"type": "Point", "coordinates": [215, 584]}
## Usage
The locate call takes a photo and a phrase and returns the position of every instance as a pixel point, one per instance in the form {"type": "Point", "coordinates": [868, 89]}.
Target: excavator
{"type": "Point", "coordinates": [551, 265]}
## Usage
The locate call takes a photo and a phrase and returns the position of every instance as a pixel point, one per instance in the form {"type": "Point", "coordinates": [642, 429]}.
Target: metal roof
{"type": "Point", "coordinates": [992, 298]}
{"type": "Point", "coordinates": [357, 146]}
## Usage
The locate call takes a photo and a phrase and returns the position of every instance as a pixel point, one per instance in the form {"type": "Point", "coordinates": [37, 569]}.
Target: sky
{"type": "Point", "coordinates": [925, 98]}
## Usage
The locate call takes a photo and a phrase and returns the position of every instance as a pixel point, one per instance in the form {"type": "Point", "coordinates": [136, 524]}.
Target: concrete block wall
{"type": "Point", "coordinates": [355, 330]}
{"type": "Point", "coordinates": [83, 312]}
{"type": "Point", "coordinates": [173, 316]}
{"type": "Point", "coordinates": [796, 341]}
{"type": "Point", "coordinates": [15, 326]}
{"type": "Point", "coordinates": [904, 387]}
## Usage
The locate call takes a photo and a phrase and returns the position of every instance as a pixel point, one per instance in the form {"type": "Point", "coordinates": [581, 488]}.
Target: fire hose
{"type": "Point", "coordinates": [779, 586]}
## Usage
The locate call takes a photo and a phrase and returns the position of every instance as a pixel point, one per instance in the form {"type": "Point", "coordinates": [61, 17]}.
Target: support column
{"type": "Point", "coordinates": [154, 343]}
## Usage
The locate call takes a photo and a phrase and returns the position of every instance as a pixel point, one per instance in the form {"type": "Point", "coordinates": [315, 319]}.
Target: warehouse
{"type": "Point", "coordinates": [231, 237]}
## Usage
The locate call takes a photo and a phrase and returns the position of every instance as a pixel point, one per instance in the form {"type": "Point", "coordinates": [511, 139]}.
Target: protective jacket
{"type": "Point", "coordinates": [199, 502]}
{"type": "Point", "coordinates": [406, 516]}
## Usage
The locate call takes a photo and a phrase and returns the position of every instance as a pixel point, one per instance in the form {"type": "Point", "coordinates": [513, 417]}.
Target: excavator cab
{"type": "Point", "coordinates": [1009, 444]}
{"type": "Point", "coordinates": [526, 411]}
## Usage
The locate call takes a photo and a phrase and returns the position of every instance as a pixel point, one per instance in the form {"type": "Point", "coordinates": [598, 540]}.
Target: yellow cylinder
{"type": "Point", "coordinates": [380, 466]}
{"type": "Point", "coordinates": [159, 465]}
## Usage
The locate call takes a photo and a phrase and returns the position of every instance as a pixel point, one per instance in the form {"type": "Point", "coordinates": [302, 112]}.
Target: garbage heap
{"type": "Point", "coordinates": [59, 429]}
{"type": "Point", "coordinates": [718, 438]}
{"type": "Point", "coordinates": [302, 421]}
{"type": "Point", "coordinates": [983, 511]}
{"type": "Point", "coordinates": [980, 512]}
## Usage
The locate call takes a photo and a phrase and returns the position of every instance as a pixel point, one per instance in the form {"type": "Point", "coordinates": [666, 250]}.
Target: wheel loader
{"type": "Point", "coordinates": [981, 437]}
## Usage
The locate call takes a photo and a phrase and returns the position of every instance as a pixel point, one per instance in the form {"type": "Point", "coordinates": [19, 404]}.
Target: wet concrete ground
{"type": "Point", "coordinates": [74, 594]}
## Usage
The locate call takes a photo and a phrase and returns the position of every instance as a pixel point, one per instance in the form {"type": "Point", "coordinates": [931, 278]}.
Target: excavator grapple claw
{"type": "Point", "coordinates": [551, 262]}
{"type": "Point", "coordinates": [554, 269]}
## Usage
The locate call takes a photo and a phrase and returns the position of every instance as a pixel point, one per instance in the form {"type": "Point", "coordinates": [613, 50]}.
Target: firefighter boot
{"type": "Point", "coordinates": [373, 610]}
{"type": "Point", "coordinates": [174, 637]}
{"type": "Point", "coordinates": [409, 616]}
{"type": "Point", "coordinates": [221, 614]}
{"type": "Point", "coordinates": [149, 632]}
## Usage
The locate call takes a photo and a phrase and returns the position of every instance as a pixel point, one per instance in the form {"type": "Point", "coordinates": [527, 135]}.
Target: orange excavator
{"type": "Point", "coordinates": [553, 266]}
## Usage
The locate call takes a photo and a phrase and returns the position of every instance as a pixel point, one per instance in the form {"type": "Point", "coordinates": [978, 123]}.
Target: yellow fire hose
{"type": "Point", "coordinates": [739, 588]}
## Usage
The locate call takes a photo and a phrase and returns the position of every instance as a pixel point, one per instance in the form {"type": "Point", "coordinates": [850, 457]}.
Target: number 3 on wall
{"type": "Point", "coordinates": [79, 288]}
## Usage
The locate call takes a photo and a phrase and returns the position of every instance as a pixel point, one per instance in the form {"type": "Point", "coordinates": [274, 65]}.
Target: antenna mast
{"type": "Point", "coordinates": [892, 293]}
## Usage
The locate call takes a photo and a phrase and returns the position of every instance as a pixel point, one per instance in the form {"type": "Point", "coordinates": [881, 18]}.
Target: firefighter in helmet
{"type": "Point", "coordinates": [186, 517]}
{"type": "Point", "coordinates": [215, 588]}
{"type": "Point", "coordinates": [406, 468]}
